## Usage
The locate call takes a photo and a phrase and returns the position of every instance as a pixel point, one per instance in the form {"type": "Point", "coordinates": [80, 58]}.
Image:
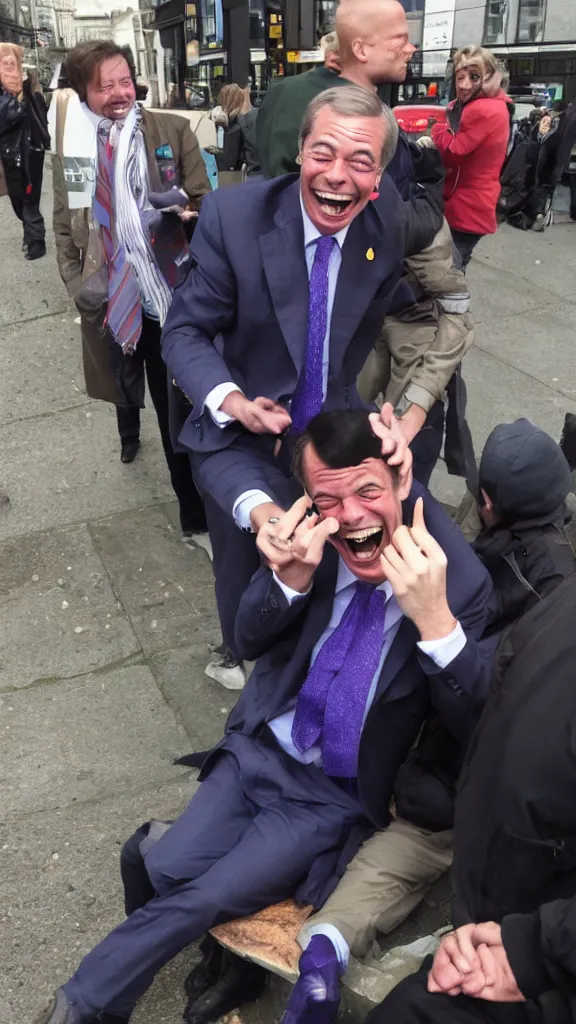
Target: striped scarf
{"type": "Point", "coordinates": [131, 200]}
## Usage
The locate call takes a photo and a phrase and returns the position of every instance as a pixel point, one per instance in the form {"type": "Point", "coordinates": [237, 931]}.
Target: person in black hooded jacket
{"type": "Point", "coordinates": [512, 958]}
{"type": "Point", "coordinates": [23, 139]}
{"type": "Point", "coordinates": [524, 479]}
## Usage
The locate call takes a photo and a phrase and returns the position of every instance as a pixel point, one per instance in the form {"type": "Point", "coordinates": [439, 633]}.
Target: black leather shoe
{"type": "Point", "coordinates": [207, 972]}
{"type": "Point", "coordinates": [240, 982]}
{"type": "Point", "coordinates": [60, 1011]}
{"type": "Point", "coordinates": [129, 450]}
{"type": "Point", "coordinates": [35, 251]}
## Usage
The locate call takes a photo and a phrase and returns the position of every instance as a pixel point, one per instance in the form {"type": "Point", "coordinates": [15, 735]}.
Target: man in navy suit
{"type": "Point", "coordinates": [243, 332]}
{"type": "Point", "coordinates": [357, 641]}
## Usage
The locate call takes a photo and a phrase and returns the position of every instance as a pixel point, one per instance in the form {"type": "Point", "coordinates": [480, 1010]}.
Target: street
{"type": "Point", "coordinates": [106, 615]}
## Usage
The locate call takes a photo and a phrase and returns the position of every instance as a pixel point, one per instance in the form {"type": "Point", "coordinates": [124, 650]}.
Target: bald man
{"type": "Point", "coordinates": [373, 49]}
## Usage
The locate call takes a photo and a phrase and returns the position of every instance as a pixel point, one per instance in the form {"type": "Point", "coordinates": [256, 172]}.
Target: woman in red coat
{"type": "Point", "coordinates": [473, 144]}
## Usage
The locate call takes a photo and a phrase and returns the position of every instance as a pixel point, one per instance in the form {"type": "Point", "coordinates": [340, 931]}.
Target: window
{"type": "Point", "coordinates": [212, 36]}
{"type": "Point", "coordinates": [495, 24]}
{"type": "Point", "coordinates": [324, 16]}
{"type": "Point", "coordinates": [531, 17]}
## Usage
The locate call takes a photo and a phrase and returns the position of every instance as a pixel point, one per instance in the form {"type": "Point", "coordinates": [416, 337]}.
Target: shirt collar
{"type": "Point", "coordinates": [311, 233]}
{"type": "Point", "coordinates": [346, 578]}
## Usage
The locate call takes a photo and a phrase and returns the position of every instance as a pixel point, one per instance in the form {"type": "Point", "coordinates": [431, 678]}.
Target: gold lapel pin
{"type": "Point", "coordinates": [370, 254]}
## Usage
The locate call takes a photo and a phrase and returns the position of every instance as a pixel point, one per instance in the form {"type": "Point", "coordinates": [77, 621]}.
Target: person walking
{"type": "Point", "coordinates": [473, 143]}
{"type": "Point", "coordinates": [120, 173]}
{"type": "Point", "coordinates": [24, 138]}
{"type": "Point", "coordinates": [238, 120]}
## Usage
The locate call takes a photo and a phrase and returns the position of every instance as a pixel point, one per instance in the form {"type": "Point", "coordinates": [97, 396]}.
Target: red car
{"type": "Point", "coordinates": [416, 117]}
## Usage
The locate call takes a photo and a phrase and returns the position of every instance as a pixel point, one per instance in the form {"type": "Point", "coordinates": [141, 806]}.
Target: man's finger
{"type": "Point", "coordinates": [418, 522]}
{"type": "Point", "coordinates": [398, 455]}
{"type": "Point", "coordinates": [285, 528]}
{"type": "Point", "coordinates": [489, 932]}
{"type": "Point", "coordinates": [468, 959]}
{"type": "Point", "coordinates": [488, 964]}
{"type": "Point", "coordinates": [403, 542]}
{"type": "Point", "coordinates": [394, 577]}
{"type": "Point", "coordinates": [319, 535]}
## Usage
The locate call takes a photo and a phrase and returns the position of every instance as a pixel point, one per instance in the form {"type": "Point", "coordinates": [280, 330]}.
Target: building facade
{"type": "Point", "coordinates": [536, 39]}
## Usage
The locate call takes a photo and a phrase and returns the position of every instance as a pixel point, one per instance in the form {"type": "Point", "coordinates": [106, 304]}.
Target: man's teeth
{"type": "Point", "coordinates": [335, 197]}
{"type": "Point", "coordinates": [364, 534]}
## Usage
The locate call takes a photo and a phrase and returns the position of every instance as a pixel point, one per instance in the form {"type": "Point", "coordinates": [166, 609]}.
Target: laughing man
{"type": "Point", "coordinates": [366, 621]}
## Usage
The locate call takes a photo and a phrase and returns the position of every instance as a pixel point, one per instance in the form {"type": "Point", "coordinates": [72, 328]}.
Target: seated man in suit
{"type": "Point", "coordinates": [356, 641]}
{"type": "Point", "coordinates": [290, 285]}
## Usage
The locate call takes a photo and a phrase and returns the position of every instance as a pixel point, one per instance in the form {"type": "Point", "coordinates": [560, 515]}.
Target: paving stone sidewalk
{"type": "Point", "coordinates": [105, 615]}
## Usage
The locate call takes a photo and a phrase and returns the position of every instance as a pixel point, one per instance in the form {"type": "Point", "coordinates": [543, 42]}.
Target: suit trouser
{"type": "Point", "coordinates": [235, 561]}
{"type": "Point", "coordinates": [388, 878]}
{"type": "Point", "coordinates": [148, 354]}
{"type": "Point", "coordinates": [411, 1003]}
{"type": "Point", "coordinates": [249, 835]}
{"type": "Point", "coordinates": [27, 206]}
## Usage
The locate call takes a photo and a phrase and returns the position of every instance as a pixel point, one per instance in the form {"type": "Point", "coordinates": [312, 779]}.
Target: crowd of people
{"type": "Point", "coordinates": [302, 335]}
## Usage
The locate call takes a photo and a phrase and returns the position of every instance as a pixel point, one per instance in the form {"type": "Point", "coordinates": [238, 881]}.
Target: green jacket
{"type": "Point", "coordinates": [280, 117]}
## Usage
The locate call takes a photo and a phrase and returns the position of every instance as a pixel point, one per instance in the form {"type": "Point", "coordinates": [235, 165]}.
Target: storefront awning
{"type": "Point", "coordinates": [170, 13]}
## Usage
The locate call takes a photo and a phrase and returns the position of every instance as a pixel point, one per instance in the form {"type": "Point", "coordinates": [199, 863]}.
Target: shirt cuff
{"type": "Point", "coordinates": [445, 650]}
{"type": "Point", "coordinates": [290, 595]}
{"type": "Point", "coordinates": [334, 936]}
{"type": "Point", "coordinates": [214, 400]}
{"type": "Point", "coordinates": [243, 506]}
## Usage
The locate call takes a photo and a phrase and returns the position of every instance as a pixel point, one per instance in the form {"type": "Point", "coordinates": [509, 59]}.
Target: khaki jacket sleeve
{"type": "Point", "coordinates": [427, 341]}
{"type": "Point", "coordinates": [193, 176]}
{"type": "Point", "coordinates": [68, 256]}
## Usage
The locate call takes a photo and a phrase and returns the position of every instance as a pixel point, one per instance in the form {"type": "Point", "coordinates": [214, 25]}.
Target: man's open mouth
{"type": "Point", "coordinates": [332, 203]}
{"type": "Point", "coordinates": [365, 544]}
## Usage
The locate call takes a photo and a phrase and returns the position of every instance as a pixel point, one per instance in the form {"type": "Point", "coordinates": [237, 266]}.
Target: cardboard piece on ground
{"type": "Point", "coordinates": [267, 938]}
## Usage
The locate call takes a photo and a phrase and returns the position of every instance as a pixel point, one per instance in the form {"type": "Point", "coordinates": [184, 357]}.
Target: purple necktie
{"type": "Point", "coordinates": [331, 705]}
{"type": "Point", "coordinates": [309, 394]}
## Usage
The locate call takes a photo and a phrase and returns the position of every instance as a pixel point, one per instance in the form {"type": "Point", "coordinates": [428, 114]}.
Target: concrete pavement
{"type": "Point", "coordinates": [106, 615]}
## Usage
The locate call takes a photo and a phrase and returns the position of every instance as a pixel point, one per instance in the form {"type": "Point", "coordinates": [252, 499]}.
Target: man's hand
{"type": "Point", "coordinates": [261, 514]}
{"type": "Point", "coordinates": [472, 960]}
{"type": "Point", "coordinates": [262, 416]}
{"type": "Point", "coordinates": [455, 961]}
{"type": "Point", "coordinates": [415, 565]}
{"type": "Point", "coordinates": [394, 445]}
{"type": "Point", "coordinates": [293, 547]}
{"type": "Point", "coordinates": [412, 422]}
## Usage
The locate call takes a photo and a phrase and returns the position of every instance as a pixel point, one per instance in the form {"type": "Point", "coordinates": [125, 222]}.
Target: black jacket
{"type": "Point", "coordinates": [23, 127]}
{"type": "Point", "coordinates": [515, 824]}
{"type": "Point", "coordinates": [526, 562]}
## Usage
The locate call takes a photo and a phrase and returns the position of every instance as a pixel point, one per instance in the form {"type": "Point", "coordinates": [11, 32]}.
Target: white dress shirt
{"type": "Point", "coordinates": [441, 651]}
{"type": "Point", "coordinates": [248, 500]}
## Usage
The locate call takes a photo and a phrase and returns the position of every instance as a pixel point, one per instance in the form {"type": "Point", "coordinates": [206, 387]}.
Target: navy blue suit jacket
{"type": "Point", "coordinates": [241, 315]}
{"type": "Point", "coordinates": [411, 686]}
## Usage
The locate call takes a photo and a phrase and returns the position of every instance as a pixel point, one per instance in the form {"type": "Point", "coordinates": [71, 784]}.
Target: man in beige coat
{"type": "Point", "coordinates": [118, 262]}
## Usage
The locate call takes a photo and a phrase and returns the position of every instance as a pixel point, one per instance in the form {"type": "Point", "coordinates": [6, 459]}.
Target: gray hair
{"type": "Point", "coordinates": [329, 43]}
{"type": "Point", "coordinates": [353, 101]}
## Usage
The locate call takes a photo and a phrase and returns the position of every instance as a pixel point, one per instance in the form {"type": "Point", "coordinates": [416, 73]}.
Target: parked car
{"type": "Point", "coordinates": [417, 117]}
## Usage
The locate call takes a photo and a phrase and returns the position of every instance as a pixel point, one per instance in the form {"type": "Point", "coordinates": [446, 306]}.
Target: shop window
{"type": "Point", "coordinates": [212, 25]}
{"type": "Point", "coordinates": [531, 18]}
{"type": "Point", "coordinates": [495, 23]}
{"type": "Point", "coordinates": [325, 15]}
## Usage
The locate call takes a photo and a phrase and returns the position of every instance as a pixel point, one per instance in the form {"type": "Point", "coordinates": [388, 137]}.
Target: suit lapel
{"type": "Point", "coordinates": [402, 648]}
{"type": "Point", "coordinates": [359, 279]}
{"type": "Point", "coordinates": [319, 613]}
{"type": "Point", "coordinates": [152, 141]}
{"type": "Point", "coordinates": [285, 269]}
